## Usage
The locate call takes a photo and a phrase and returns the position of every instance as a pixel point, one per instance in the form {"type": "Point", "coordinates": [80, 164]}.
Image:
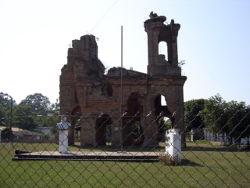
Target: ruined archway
{"type": "Point", "coordinates": [83, 83]}
{"type": "Point", "coordinates": [132, 132]}
{"type": "Point", "coordinates": [102, 129]}
{"type": "Point", "coordinates": [74, 130]}
{"type": "Point", "coordinates": [164, 118]}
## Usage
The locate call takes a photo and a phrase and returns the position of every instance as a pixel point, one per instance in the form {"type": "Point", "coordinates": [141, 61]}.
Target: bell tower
{"type": "Point", "coordinates": [157, 31]}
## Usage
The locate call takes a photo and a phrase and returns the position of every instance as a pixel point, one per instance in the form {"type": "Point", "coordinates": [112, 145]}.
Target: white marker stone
{"type": "Point", "coordinates": [173, 144]}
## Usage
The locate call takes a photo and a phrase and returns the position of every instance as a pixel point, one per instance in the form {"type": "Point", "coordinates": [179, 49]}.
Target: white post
{"type": "Point", "coordinates": [173, 144]}
{"type": "Point", "coordinates": [63, 134]}
{"type": "Point", "coordinates": [192, 135]}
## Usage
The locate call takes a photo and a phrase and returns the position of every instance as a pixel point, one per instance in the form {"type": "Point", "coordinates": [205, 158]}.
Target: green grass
{"type": "Point", "coordinates": [205, 165]}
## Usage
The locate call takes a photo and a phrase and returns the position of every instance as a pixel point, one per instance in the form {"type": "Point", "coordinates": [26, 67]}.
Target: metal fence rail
{"type": "Point", "coordinates": [98, 159]}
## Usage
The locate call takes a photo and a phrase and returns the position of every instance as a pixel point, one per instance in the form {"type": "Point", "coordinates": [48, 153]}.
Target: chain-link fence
{"type": "Point", "coordinates": [100, 151]}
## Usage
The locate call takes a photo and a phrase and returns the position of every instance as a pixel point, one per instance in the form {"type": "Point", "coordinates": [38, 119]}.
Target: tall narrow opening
{"type": "Point", "coordinates": [75, 129]}
{"type": "Point", "coordinates": [163, 50]}
{"type": "Point", "coordinates": [103, 130]}
{"type": "Point", "coordinates": [132, 130]}
{"type": "Point", "coordinates": [163, 116]}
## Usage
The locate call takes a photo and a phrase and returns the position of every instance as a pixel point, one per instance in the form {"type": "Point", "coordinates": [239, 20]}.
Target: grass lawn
{"type": "Point", "coordinates": [208, 166]}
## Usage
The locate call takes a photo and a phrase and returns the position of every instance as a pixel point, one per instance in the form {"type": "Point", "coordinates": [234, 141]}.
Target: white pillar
{"type": "Point", "coordinates": [173, 144]}
{"type": "Point", "coordinates": [192, 135]}
{"type": "Point", "coordinates": [63, 141]}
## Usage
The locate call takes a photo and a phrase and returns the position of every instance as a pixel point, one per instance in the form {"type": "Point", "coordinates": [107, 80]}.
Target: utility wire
{"type": "Point", "coordinates": [104, 15]}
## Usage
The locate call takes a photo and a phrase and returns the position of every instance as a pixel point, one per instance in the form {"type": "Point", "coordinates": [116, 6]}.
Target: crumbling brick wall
{"type": "Point", "coordinates": [93, 100]}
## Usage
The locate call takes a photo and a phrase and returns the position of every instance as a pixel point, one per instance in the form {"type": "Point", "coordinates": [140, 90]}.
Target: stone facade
{"type": "Point", "coordinates": [98, 104]}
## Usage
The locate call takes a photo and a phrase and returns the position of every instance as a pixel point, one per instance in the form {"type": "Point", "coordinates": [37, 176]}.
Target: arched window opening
{"type": "Point", "coordinates": [161, 106]}
{"type": "Point", "coordinates": [163, 50]}
{"type": "Point", "coordinates": [163, 101]}
{"type": "Point", "coordinates": [163, 116]}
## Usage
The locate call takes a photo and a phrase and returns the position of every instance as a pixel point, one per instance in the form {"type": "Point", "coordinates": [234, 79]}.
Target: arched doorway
{"type": "Point", "coordinates": [103, 129]}
{"type": "Point", "coordinates": [132, 133]}
{"type": "Point", "coordinates": [74, 130]}
{"type": "Point", "coordinates": [164, 118]}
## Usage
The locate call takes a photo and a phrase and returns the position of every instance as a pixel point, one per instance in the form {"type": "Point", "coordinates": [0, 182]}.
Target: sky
{"type": "Point", "coordinates": [214, 42]}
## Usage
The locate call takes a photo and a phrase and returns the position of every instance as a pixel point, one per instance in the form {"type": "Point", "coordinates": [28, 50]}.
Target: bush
{"type": "Point", "coordinates": [7, 134]}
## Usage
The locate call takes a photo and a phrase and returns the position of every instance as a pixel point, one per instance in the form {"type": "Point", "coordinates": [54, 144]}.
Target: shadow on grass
{"type": "Point", "coordinates": [186, 162]}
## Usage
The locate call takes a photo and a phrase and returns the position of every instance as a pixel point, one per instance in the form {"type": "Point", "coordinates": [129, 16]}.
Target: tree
{"type": "Point", "coordinates": [192, 115]}
{"type": "Point", "coordinates": [213, 114]}
{"type": "Point", "coordinates": [5, 100]}
{"type": "Point", "coordinates": [39, 103]}
{"type": "Point", "coordinates": [163, 125]}
{"type": "Point", "coordinates": [232, 118]}
{"type": "Point", "coordinates": [239, 120]}
{"type": "Point", "coordinates": [55, 108]}
{"type": "Point", "coordinates": [3, 115]}
{"type": "Point", "coordinates": [23, 117]}
{"type": "Point", "coordinates": [6, 105]}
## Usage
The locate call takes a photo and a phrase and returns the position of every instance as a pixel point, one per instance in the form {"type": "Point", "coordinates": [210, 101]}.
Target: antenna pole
{"type": "Point", "coordinates": [121, 87]}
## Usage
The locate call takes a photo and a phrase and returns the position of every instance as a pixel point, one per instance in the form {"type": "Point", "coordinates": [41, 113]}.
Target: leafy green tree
{"type": "Point", "coordinates": [5, 100]}
{"type": "Point", "coordinates": [232, 118]}
{"type": "Point", "coordinates": [164, 124]}
{"type": "Point", "coordinates": [192, 115]}
{"type": "Point", "coordinates": [39, 103]}
{"type": "Point", "coordinates": [213, 114]}
{"type": "Point", "coordinates": [238, 124]}
{"type": "Point", "coordinates": [23, 117]}
{"type": "Point", "coordinates": [55, 108]}
{"type": "Point", "coordinates": [6, 106]}
{"type": "Point", "coordinates": [3, 115]}
{"type": "Point", "coordinates": [46, 121]}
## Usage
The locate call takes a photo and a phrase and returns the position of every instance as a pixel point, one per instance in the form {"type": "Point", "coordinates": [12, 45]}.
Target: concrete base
{"type": "Point", "coordinates": [90, 156]}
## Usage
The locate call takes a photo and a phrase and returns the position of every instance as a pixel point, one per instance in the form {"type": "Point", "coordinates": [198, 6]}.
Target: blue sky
{"type": "Point", "coordinates": [213, 40]}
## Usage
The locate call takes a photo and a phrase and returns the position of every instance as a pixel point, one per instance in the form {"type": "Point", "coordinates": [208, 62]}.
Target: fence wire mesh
{"type": "Point", "coordinates": [98, 151]}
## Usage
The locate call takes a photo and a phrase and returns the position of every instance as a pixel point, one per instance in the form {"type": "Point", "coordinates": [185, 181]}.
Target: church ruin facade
{"type": "Point", "coordinates": [104, 110]}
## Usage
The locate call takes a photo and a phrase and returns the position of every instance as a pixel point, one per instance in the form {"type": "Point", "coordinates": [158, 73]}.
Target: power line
{"type": "Point", "coordinates": [105, 13]}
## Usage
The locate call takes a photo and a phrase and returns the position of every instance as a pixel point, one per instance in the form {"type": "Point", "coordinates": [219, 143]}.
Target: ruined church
{"type": "Point", "coordinates": [104, 109]}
